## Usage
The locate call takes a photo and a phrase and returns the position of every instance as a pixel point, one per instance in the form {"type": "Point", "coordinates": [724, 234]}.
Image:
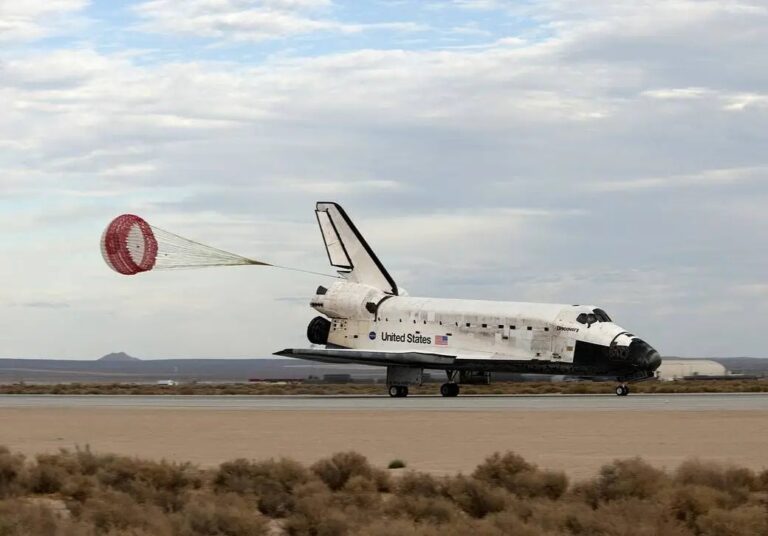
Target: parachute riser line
{"type": "Point", "coordinates": [131, 246]}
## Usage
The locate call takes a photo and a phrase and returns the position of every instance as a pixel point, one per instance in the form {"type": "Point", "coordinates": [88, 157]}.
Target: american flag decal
{"type": "Point", "coordinates": [441, 340]}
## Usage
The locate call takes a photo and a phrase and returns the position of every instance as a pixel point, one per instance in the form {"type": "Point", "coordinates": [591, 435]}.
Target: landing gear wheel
{"type": "Point", "coordinates": [622, 390]}
{"type": "Point", "coordinates": [449, 389]}
{"type": "Point", "coordinates": [398, 391]}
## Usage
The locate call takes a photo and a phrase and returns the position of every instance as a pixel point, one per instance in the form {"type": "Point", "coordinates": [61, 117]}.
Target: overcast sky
{"type": "Point", "coordinates": [560, 151]}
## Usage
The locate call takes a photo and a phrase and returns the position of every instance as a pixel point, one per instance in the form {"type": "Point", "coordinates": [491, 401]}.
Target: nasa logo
{"type": "Point", "coordinates": [372, 335]}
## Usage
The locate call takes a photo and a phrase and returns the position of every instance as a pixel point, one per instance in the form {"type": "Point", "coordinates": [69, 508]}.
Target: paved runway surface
{"type": "Point", "coordinates": [634, 402]}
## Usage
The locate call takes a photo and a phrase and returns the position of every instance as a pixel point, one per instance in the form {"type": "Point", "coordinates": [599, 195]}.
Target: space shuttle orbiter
{"type": "Point", "coordinates": [367, 319]}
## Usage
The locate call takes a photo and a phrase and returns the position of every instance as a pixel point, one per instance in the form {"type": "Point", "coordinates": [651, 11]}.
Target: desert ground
{"type": "Point", "coordinates": [440, 442]}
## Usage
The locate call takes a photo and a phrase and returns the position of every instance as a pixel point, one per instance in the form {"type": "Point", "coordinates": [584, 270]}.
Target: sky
{"type": "Point", "coordinates": [567, 151]}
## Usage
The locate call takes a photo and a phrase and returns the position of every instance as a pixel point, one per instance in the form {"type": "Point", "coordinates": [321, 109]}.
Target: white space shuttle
{"type": "Point", "coordinates": [368, 320]}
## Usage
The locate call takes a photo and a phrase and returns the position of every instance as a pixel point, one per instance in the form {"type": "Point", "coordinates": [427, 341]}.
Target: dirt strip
{"type": "Point", "coordinates": [438, 442]}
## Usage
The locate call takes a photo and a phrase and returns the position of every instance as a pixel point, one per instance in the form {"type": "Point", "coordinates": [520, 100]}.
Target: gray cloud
{"type": "Point", "coordinates": [46, 305]}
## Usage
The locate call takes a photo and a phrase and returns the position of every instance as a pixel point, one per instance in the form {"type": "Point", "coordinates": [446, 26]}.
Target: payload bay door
{"type": "Point", "coordinates": [541, 343]}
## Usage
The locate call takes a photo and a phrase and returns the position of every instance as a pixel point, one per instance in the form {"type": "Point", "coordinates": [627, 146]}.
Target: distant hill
{"type": "Point", "coordinates": [118, 357]}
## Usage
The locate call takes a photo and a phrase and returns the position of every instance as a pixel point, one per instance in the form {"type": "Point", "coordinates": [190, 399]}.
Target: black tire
{"type": "Point", "coordinates": [449, 389]}
{"type": "Point", "coordinates": [626, 390]}
{"type": "Point", "coordinates": [621, 391]}
{"type": "Point", "coordinates": [403, 391]}
{"type": "Point", "coordinates": [394, 391]}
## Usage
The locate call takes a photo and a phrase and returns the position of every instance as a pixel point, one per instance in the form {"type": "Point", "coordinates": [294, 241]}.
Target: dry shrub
{"type": "Point", "coordinates": [160, 483]}
{"type": "Point", "coordinates": [339, 468]}
{"type": "Point", "coordinates": [432, 510]}
{"type": "Point", "coordinates": [79, 488]}
{"type": "Point", "coordinates": [11, 472]}
{"type": "Point", "coordinates": [564, 517]}
{"type": "Point", "coordinates": [512, 472]}
{"type": "Point", "coordinates": [225, 515]}
{"type": "Point", "coordinates": [623, 479]}
{"type": "Point", "coordinates": [620, 517]}
{"type": "Point", "coordinates": [475, 497]}
{"type": "Point", "coordinates": [762, 480]}
{"type": "Point", "coordinates": [638, 517]}
{"type": "Point", "coordinates": [499, 469]}
{"type": "Point", "coordinates": [741, 521]}
{"type": "Point", "coordinates": [46, 478]}
{"type": "Point", "coordinates": [404, 527]}
{"type": "Point", "coordinates": [19, 518]}
{"type": "Point", "coordinates": [505, 523]}
{"type": "Point", "coordinates": [271, 481]}
{"type": "Point", "coordinates": [117, 511]}
{"type": "Point", "coordinates": [77, 475]}
{"type": "Point", "coordinates": [361, 493]}
{"type": "Point", "coordinates": [421, 484]}
{"type": "Point", "coordinates": [738, 482]}
{"type": "Point", "coordinates": [315, 515]}
{"type": "Point", "coordinates": [688, 502]}
{"type": "Point", "coordinates": [400, 527]}
{"type": "Point", "coordinates": [549, 484]}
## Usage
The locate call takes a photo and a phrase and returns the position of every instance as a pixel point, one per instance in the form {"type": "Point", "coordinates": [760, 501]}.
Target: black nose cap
{"type": "Point", "coordinates": [643, 355]}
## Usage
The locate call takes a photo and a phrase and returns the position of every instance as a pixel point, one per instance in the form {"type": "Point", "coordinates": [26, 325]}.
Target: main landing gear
{"type": "Point", "coordinates": [398, 391]}
{"type": "Point", "coordinates": [451, 388]}
{"type": "Point", "coordinates": [622, 390]}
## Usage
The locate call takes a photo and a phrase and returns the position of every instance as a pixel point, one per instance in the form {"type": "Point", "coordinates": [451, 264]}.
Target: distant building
{"type": "Point", "coordinates": [677, 369]}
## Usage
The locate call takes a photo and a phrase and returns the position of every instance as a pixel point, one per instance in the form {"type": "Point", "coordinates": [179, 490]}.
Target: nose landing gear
{"type": "Point", "coordinates": [622, 390]}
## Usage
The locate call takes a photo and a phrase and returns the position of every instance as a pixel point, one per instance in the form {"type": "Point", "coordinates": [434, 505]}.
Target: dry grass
{"type": "Point", "coordinates": [345, 495]}
{"type": "Point", "coordinates": [500, 388]}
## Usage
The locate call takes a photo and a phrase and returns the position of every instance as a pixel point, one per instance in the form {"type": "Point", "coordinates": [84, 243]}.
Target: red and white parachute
{"type": "Point", "coordinates": [130, 246]}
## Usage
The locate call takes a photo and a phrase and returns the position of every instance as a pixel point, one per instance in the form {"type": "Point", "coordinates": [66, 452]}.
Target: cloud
{"type": "Point", "coordinates": [46, 305]}
{"type": "Point", "coordinates": [710, 177]}
{"type": "Point", "coordinates": [32, 19]}
{"type": "Point", "coordinates": [677, 93]}
{"type": "Point", "coordinates": [474, 172]}
{"type": "Point", "coordinates": [250, 20]}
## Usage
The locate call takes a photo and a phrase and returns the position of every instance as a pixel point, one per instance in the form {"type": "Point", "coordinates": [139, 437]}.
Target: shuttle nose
{"type": "Point", "coordinates": [644, 355]}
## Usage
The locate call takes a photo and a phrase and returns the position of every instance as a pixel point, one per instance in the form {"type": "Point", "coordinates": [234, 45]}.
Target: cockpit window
{"type": "Point", "coordinates": [589, 318]}
{"type": "Point", "coordinates": [602, 316]}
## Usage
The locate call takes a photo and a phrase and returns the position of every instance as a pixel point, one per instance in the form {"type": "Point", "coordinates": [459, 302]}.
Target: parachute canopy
{"type": "Point", "coordinates": [130, 246]}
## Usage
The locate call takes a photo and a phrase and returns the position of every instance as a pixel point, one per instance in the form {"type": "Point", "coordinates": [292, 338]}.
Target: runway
{"type": "Point", "coordinates": [589, 403]}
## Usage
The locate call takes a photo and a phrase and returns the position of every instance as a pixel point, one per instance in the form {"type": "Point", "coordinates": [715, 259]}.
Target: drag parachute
{"type": "Point", "coordinates": [130, 246]}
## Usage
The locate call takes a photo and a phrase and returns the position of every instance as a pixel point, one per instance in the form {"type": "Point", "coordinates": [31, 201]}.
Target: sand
{"type": "Point", "coordinates": [438, 442]}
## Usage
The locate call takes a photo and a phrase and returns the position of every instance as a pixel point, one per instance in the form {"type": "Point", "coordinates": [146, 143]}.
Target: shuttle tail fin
{"type": "Point", "coordinates": [348, 251]}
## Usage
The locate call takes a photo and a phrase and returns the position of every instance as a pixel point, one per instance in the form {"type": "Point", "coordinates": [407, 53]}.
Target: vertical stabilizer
{"type": "Point", "coordinates": [348, 251]}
